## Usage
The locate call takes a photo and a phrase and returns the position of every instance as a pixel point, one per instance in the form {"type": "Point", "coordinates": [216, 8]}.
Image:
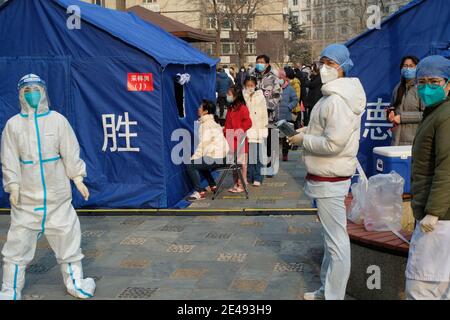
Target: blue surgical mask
{"type": "Point", "coordinates": [230, 99]}
{"type": "Point", "coordinates": [432, 95]}
{"type": "Point", "coordinates": [409, 73]}
{"type": "Point", "coordinates": [260, 67]}
{"type": "Point", "coordinates": [33, 98]}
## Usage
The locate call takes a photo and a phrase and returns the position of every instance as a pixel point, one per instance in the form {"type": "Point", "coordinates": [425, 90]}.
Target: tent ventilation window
{"type": "Point", "coordinates": [180, 99]}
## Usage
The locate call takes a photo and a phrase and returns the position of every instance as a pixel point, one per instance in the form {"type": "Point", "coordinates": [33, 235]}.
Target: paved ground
{"type": "Point", "coordinates": [284, 190]}
{"type": "Point", "coordinates": [188, 258]}
{"type": "Point", "coordinates": [215, 257]}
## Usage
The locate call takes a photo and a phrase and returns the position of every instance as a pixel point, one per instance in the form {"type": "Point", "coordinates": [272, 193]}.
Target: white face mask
{"type": "Point", "coordinates": [328, 74]}
{"type": "Point", "coordinates": [250, 90]}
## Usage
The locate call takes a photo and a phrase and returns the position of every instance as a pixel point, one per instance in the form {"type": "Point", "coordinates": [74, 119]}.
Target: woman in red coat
{"type": "Point", "coordinates": [236, 125]}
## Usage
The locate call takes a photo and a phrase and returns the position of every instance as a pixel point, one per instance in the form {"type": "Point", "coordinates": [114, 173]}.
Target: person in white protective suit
{"type": "Point", "coordinates": [428, 268]}
{"type": "Point", "coordinates": [39, 154]}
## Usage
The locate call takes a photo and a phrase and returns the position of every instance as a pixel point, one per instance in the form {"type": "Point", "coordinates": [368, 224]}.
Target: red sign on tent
{"type": "Point", "coordinates": [140, 82]}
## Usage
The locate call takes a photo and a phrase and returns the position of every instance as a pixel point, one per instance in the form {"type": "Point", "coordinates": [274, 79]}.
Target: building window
{"type": "Point", "coordinates": [148, 1]}
{"type": "Point", "coordinates": [250, 48]}
{"type": "Point", "coordinates": [228, 48]}
{"type": "Point", "coordinates": [226, 24]}
{"type": "Point", "coordinates": [250, 23]}
{"type": "Point", "coordinates": [211, 49]}
{"type": "Point", "coordinates": [211, 22]}
{"type": "Point", "coordinates": [295, 2]}
{"type": "Point", "coordinates": [99, 2]}
{"type": "Point", "coordinates": [330, 16]}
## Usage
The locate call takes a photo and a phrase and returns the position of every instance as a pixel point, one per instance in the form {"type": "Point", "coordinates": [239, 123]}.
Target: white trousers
{"type": "Point", "coordinates": [20, 246]}
{"type": "Point", "coordinates": [335, 270]}
{"type": "Point", "coordinates": [427, 290]}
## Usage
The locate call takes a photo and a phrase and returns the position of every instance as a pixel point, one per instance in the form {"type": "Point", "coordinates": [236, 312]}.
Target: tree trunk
{"type": "Point", "coordinates": [218, 41]}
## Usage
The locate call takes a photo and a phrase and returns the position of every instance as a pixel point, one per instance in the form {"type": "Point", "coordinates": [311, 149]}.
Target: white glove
{"type": "Point", "coordinates": [297, 140]}
{"type": "Point", "coordinates": [302, 130]}
{"type": "Point", "coordinates": [14, 195]}
{"type": "Point", "coordinates": [428, 223]}
{"type": "Point", "coordinates": [81, 187]}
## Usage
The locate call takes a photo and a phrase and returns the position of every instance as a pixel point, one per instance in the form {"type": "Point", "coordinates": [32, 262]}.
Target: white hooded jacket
{"type": "Point", "coordinates": [212, 142]}
{"type": "Point", "coordinates": [257, 107]}
{"type": "Point", "coordinates": [332, 139]}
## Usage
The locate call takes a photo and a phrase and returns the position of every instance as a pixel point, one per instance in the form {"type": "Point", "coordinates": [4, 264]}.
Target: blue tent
{"type": "Point", "coordinates": [114, 78]}
{"type": "Point", "coordinates": [420, 28]}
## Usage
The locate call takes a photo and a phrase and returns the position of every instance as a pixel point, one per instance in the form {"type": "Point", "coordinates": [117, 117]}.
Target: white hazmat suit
{"type": "Point", "coordinates": [39, 154]}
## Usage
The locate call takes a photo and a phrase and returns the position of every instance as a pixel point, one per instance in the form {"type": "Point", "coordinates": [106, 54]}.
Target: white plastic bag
{"type": "Point", "coordinates": [383, 208]}
{"type": "Point", "coordinates": [360, 195]}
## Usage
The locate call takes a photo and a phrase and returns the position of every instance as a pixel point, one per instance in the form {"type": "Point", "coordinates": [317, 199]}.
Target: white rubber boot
{"type": "Point", "coordinates": [13, 281]}
{"type": "Point", "coordinates": [74, 282]}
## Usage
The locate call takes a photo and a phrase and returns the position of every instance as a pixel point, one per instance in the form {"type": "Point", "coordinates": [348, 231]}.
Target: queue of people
{"type": "Point", "coordinates": [269, 95]}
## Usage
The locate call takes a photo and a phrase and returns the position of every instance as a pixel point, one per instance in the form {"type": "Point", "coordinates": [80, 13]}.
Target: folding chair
{"type": "Point", "coordinates": [234, 167]}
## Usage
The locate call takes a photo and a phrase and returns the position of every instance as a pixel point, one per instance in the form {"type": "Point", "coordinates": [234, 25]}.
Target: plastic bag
{"type": "Point", "coordinates": [360, 195]}
{"type": "Point", "coordinates": [384, 206]}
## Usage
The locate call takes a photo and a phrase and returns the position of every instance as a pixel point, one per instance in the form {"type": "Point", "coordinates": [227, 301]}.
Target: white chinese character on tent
{"type": "Point", "coordinates": [111, 131]}
{"type": "Point", "coordinates": [376, 120]}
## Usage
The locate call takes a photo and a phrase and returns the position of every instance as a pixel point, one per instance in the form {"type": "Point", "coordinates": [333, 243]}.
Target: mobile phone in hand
{"type": "Point", "coordinates": [388, 111]}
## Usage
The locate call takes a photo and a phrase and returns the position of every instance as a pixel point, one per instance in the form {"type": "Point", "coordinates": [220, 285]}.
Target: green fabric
{"type": "Point", "coordinates": [431, 164]}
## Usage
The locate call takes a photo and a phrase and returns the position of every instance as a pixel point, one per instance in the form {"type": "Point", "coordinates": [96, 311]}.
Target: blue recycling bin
{"type": "Point", "coordinates": [398, 159]}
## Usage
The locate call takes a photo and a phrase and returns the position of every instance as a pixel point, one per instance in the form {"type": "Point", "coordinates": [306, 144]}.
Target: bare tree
{"type": "Point", "coordinates": [360, 12]}
{"type": "Point", "coordinates": [240, 14]}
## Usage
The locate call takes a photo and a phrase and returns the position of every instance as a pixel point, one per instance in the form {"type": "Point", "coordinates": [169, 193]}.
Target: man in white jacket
{"type": "Point", "coordinates": [331, 143]}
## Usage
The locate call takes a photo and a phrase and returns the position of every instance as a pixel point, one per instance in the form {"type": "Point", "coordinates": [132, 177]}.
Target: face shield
{"type": "Point", "coordinates": [33, 95]}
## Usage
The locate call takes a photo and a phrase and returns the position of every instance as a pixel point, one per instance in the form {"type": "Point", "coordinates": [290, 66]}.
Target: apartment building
{"type": "Point", "coordinates": [330, 21]}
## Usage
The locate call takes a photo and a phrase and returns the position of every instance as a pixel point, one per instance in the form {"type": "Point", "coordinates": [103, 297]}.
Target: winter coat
{"type": "Point", "coordinates": [410, 111]}
{"type": "Point", "coordinates": [212, 143]}
{"type": "Point", "coordinates": [228, 73]}
{"type": "Point", "coordinates": [240, 78]}
{"type": "Point", "coordinates": [268, 83]}
{"type": "Point", "coordinates": [223, 83]}
{"type": "Point", "coordinates": [332, 139]}
{"type": "Point", "coordinates": [289, 101]}
{"type": "Point", "coordinates": [315, 91]}
{"type": "Point", "coordinates": [430, 186]}
{"type": "Point", "coordinates": [296, 85]}
{"type": "Point", "coordinates": [257, 107]}
{"type": "Point", "coordinates": [303, 78]}
{"type": "Point", "coordinates": [237, 124]}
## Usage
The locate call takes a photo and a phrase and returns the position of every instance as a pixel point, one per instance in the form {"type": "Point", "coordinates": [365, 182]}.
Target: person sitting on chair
{"type": "Point", "coordinates": [210, 153]}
